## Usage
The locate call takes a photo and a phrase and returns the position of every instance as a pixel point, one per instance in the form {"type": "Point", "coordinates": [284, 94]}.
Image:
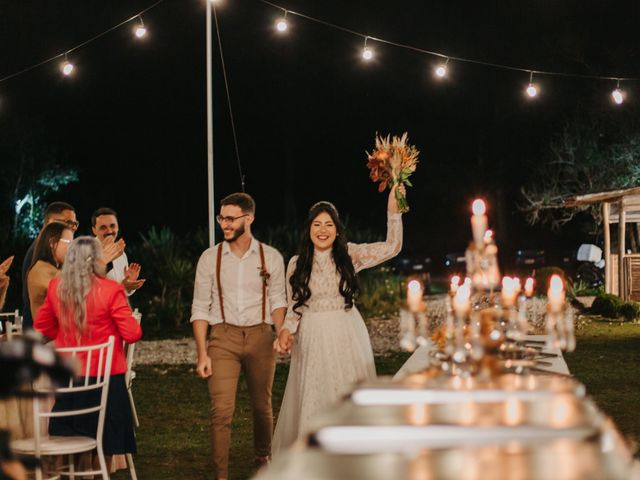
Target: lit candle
{"type": "Point", "coordinates": [509, 292]}
{"type": "Point", "coordinates": [461, 303]}
{"type": "Point", "coordinates": [528, 287]}
{"type": "Point", "coordinates": [555, 294]}
{"type": "Point", "coordinates": [478, 222]}
{"type": "Point", "coordinates": [516, 284]}
{"type": "Point", "coordinates": [488, 237]}
{"type": "Point", "coordinates": [414, 296]}
{"type": "Point", "coordinates": [455, 283]}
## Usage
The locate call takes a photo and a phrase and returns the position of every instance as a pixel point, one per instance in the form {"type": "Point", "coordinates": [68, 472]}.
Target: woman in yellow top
{"type": "Point", "coordinates": [48, 257]}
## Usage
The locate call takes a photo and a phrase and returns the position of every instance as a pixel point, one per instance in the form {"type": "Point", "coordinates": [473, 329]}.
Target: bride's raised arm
{"type": "Point", "coordinates": [367, 255]}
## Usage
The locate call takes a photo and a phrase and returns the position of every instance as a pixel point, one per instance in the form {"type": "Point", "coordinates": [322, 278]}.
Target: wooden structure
{"type": "Point", "coordinates": [622, 270]}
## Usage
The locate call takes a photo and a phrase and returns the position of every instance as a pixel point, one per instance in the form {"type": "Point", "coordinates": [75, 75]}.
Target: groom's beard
{"type": "Point", "coordinates": [236, 234]}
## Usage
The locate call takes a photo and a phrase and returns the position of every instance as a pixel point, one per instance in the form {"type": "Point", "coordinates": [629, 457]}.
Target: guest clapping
{"type": "Point", "coordinates": [83, 307]}
{"type": "Point", "coordinates": [48, 257]}
{"type": "Point", "coordinates": [104, 225]}
{"type": "Point", "coordinates": [55, 212]}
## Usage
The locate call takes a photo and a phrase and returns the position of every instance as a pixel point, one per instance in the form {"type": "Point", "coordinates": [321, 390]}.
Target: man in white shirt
{"type": "Point", "coordinates": [104, 225]}
{"type": "Point", "coordinates": [240, 292]}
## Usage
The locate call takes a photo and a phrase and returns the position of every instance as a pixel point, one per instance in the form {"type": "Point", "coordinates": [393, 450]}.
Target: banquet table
{"type": "Point", "coordinates": [419, 360]}
{"type": "Point", "coordinates": [537, 425]}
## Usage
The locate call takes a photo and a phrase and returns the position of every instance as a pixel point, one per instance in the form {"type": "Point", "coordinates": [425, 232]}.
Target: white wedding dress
{"type": "Point", "coordinates": [332, 350]}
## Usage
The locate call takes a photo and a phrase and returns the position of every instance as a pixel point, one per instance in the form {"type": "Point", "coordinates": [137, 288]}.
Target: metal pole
{"type": "Point", "coordinates": [211, 210]}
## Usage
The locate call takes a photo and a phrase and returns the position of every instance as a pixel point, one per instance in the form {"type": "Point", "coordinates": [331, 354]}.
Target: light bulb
{"type": "Point", "coordinates": [532, 91]}
{"type": "Point", "coordinates": [367, 53]}
{"type": "Point", "coordinates": [281, 25]}
{"type": "Point", "coordinates": [140, 31]}
{"type": "Point", "coordinates": [441, 71]}
{"type": "Point", "coordinates": [617, 96]}
{"type": "Point", "coordinates": [67, 68]}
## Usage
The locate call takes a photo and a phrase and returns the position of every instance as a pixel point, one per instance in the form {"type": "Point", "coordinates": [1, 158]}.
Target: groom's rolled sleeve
{"type": "Point", "coordinates": [203, 288]}
{"type": "Point", "coordinates": [277, 288]}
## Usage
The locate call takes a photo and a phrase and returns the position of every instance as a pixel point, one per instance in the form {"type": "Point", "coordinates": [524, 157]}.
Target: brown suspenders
{"type": "Point", "coordinates": [263, 268]}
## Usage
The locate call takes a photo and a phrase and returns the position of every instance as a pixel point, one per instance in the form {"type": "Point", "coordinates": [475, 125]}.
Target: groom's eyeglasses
{"type": "Point", "coordinates": [220, 219]}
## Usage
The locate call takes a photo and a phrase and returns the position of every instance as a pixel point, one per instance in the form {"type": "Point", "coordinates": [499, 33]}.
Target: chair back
{"type": "Point", "coordinates": [103, 355]}
{"type": "Point", "coordinates": [130, 349]}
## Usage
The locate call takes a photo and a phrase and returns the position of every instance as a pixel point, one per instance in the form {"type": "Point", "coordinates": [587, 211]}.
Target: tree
{"type": "Point", "coordinates": [589, 155]}
{"type": "Point", "coordinates": [32, 169]}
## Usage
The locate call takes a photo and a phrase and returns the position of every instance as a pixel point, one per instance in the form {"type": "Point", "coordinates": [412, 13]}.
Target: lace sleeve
{"type": "Point", "coordinates": [367, 255]}
{"type": "Point", "coordinates": [291, 319]}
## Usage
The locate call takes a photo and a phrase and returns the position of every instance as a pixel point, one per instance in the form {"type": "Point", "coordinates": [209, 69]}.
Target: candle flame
{"type": "Point", "coordinates": [478, 207]}
{"type": "Point", "coordinates": [528, 286]}
{"type": "Point", "coordinates": [488, 236]}
{"type": "Point", "coordinates": [414, 286]}
{"type": "Point", "coordinates": [556, 286]}
{"type": "Point", "coordinates": [516, 284]}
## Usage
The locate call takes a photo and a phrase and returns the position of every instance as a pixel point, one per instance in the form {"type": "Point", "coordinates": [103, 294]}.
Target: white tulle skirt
{"type": "Point", "coordinates": [331, 352]}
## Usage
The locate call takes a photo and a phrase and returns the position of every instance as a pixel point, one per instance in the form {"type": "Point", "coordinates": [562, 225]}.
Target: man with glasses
{"type": "Point", "coordinates": [104, 226]}
{"type": "Point", "coordinates": [55, 212]}
{"type": "Point", "coordinates": [240, 292]}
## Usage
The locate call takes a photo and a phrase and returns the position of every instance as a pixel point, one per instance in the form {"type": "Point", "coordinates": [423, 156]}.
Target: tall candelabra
{"type": "Point", "coordinates": [487, 317]}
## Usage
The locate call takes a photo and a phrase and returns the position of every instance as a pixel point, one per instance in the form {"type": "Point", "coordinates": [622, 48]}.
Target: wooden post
{"type": "Point", "coordinates": [607, 247]}
{"type": "Point", "coordinates": [622, 219]}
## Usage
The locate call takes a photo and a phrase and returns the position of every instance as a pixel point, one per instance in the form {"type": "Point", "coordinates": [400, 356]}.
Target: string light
{"type": "Point", "coordinates": [441, 70]}
{"type": "Point", "coordinates": [66, 67]}
{"type": "Point", "coordinates": [140, 30]}
{"type": "Point", "coordinates": [532, 90]}
{"type": "Point", "coordinates": [367, 53]}
{"type": "Point", "coordinates": [281, 24]}
{"type": "Point", "coordinates": [618, 95]}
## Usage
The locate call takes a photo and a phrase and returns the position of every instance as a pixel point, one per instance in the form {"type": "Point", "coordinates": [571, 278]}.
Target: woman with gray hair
{"type": "Point", "coordinates": [82, 308]}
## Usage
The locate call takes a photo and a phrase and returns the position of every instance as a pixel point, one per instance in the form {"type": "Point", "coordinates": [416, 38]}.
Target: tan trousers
{"type": "Point", "coordinates": [232, 350]}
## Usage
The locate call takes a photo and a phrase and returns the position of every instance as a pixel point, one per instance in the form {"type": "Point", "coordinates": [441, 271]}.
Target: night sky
{"type": "Point", "coordinates": [132, 119]}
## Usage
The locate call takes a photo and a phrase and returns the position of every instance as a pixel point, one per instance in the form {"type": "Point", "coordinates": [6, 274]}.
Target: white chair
{"type": "Point", "coordinates": [11, 323]}
{"type": "Point", "coordinates": [129, 376]}
{"type": "Point", "coordinates": [130, 349]}
{"type": "Point", "coordinates": [45, 445]}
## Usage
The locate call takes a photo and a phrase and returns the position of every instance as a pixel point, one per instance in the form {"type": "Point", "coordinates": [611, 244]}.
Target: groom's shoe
{"type": "Point", "coordinates": [260, 462]}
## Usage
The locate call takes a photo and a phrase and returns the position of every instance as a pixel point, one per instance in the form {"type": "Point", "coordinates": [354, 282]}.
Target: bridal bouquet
{"type": "Point", "coordinates": [392, 163]}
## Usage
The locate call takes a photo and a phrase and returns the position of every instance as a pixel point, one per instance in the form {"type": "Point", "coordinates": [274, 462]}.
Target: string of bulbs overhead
{"type": "Point", "coordinates": [441, 70]}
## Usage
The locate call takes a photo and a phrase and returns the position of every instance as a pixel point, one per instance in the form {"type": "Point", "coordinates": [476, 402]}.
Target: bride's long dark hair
{"type": "Point", "coordinates": [349, 287]}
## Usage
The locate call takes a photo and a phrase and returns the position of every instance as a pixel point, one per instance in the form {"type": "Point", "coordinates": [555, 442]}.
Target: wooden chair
{"type": "Point", "coordinates": [43, 444]}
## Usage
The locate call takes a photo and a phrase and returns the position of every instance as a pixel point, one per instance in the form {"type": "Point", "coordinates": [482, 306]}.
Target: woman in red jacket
{"type": "Point", "coordinates": [82, 308]}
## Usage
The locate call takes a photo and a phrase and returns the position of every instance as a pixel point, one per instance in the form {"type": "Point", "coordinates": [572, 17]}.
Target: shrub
{"type": "Point", "coordinates": [607, 305]}
{"type": "Point", "coordinates": [381, 293]}
{"type": "Point", "coordinates": [630, 311]}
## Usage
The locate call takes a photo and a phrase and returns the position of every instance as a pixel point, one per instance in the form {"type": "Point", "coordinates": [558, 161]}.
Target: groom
{"type": "Point", "coordinates": [240, 292]}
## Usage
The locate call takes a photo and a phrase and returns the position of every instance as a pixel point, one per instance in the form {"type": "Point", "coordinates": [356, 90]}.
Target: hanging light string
{"type": "Point", "coordinates": [446, 56]}
{"type": "Point", "coordinates": [226, 87]}
{"type": "Point", "coordinates": [64, 54]}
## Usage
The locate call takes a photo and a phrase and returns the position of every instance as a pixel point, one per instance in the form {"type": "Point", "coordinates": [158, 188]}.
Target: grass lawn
{"type": "Point", "coordinates": [607, 361]}
{"type": "Point", "coordinates": [173, 438]}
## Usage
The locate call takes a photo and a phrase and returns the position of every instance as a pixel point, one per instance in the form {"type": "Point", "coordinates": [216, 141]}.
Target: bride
{"type": "Point", "coordinates": [331, 350]}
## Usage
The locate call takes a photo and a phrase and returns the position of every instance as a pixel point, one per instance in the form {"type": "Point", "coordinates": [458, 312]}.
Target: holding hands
{"type": "Point", "coordinates": [283, 343]}
{"type": "Point", "coordinates": [131, 281]}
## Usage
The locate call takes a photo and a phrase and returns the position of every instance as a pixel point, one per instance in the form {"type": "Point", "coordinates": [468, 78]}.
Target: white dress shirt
{"type": "Point", "coordinates": [241, 286]}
